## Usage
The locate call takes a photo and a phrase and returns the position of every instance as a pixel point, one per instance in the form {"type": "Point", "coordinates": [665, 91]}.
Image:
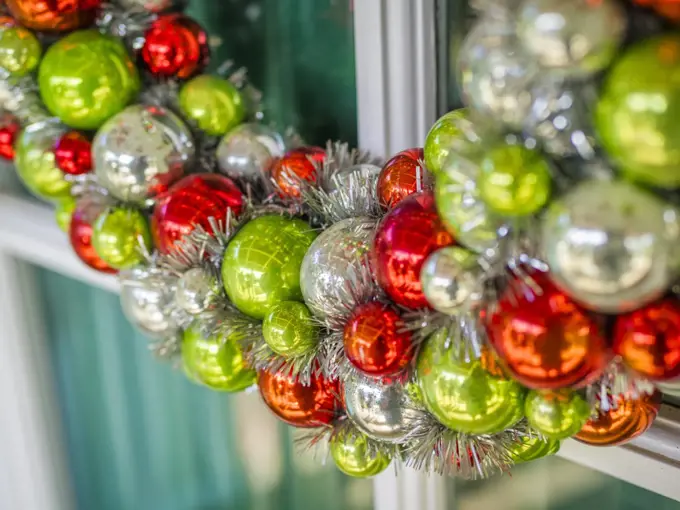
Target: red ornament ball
{"type": "Point", "coordinates": [175, 46]}
{"type": "Point", "coordinates": [295, 166]}
{"type": "Point", "coordinates": [648, 340]}
{"type": "Point", "coordinates": [406, 236]}
{"type": "Point", "coordinates": [9, 129]}
{"type": "Point", "coordinates": [190, 202]}
{"type": "Point", "coordinates": [299, 405]}
{"type": "Point", "coordinates": [73, 153]}
{"type": "Point", "coordinates": [54, 15]}
{"type": "Point", "coordinates": [403, 175]}
{"type": "Point", "coordinates": [80, 234]}
{"type": "Point", "coordinates": [547, 341]}
{"type": "Point", "coordinates": [373, 341]}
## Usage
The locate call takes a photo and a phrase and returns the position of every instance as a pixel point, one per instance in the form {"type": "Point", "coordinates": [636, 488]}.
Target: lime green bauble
{"type": "Point", "coordinates": [20, 50]}
{"type": "Point", "coordinates": [463, 396]}
{"type": "Point", "coordinates": [215, 362]}
{"type": "Point", "coordinates": [354, 456]}
{"type": "Point", "coordinates": [446, 139]}
{"type": "Point", "coordinates": [531, 448]}
{"type": "Point", "coordinates": [117, 234]}
{"type": "Point", "coordinates": [289, 329]}
{"type": "Point", "coordinates": [262, 262]}
{"type": "Point", "coordinates": [514, 180]}
{"type": "Point", "coordinates": [556, 414]}
{"type": "Point", "coordinates": [64, 211]}
{"type": "Point", "coordinates": [86, 78]}
{"type": "Point", "coordinates": [34, 160]}
{"type": "Point", "coordinates": [215, 104]}
{"type": "Point", "coordinates": [636, 117]}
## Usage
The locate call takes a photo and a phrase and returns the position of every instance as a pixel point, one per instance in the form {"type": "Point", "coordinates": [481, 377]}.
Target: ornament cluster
{"type": "Point", "coordinates": [459, 308]}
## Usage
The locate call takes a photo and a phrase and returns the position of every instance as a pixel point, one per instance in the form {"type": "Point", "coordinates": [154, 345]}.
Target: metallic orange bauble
{"type": "Point", "coordinates": [299, 405]}
{"type": "Point", "coordinates": [631, 418]}
{"type": "Point", "coordinates": [547, 341]}
{"type": "Point", "coordinates": [295, 166]}
{"type": "Point", "coordinates": [403, 175]}
{"type": "Point", "coordinates": [54, 15]}
{"type": "Point", "coordinates": [667, 8]}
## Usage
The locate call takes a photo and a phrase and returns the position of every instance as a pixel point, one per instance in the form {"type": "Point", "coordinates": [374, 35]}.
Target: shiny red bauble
{"type": "Point", "coordinates": [547, 341]}
{"type": "Point", "coordinates": [80, 234]}
{"type": "Point", "coordinates": [403, 175]}
{"type": "Point", "coordinates": [73, 153]}
{"type": "Point", "coordinates": [9, 129]}
{"type": "Point", "coordinates": [54, 15]}
{"type": "Point", "coordinates": [175, 46]}
{"type": "Point", "coordinates": [299, 405]}
{"type": "Point", "coordinates": [648, 340]}
{"type": "Point", "coordinates": [294, 167]}
{"type": "Point", "coordinates": [406, 236]}
{"type": "Point", "coordinates": [190, 202]}
{"type": "Point", "coordinates": [374, 342]}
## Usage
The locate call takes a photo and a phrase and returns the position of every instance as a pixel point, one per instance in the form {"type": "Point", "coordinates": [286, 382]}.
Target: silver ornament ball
{"type": "Point", "coordinates": [611, 246]}
{"type": "Point", "coordinates": [196, 291]}
{"type": "Point", "coordinates": [574, 37]}
{"type": "Point", "coordinates": [383, 412]}
{"type": "Point", "coordinates": [248, 151]}
{"type": "Point", "coordinates": [146, 297]}
{"type": "Point", "coordinates": [141, 150]}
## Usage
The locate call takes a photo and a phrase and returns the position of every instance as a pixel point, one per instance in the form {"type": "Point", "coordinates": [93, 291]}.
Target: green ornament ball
{"type": "Point", "coordinates": [514, 180]}
{"type": "Point", "coordinates": [116, 236]}
{"type": "Point", "coordinates": [64, 211]}
{"type": "Point", "coordinates": [354, 456]}
{"type": "Point", "coordinates": [289, 329]}
{"type": "Point", "coordinates": [261, 265]}
{"type": "Point", "coordinates": [556, 414]}
{"type": "Point", "coordinates": [35, 163]}
{"type": "Point", "coordinates": [86, 78]}
{"type": "Point", "coordinates": [215, 104]}
{"type": "Point", "coordinates": [216, 363]}
{"type": "Point", "coordinates": [531, 448]}
{"type": "Point", "coordinates": [446, 138]}
{"type": "Point", "coordinates": [20, 50]}
{"type": "Point", "coordinates": [636, 117]}
{"type": "Point", "coordinates": [462, 395]}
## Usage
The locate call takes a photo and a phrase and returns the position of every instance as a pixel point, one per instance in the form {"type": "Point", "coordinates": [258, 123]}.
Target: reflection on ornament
{"type": "Point", "coordinates": [20, 50]}
{"type": "Point", "coordinates": [248, 151]}
{"type": "Point", "coordinates": [196, 291]}
{"type": "Point", "coordinates": [556, 414]}
{"type": "Point", "coordinates": [297, 166]}
{"type": "Point", "coordinates": [355, 457]}
{"type": "Point", "coordinates": [402, 176]}
{"type": "Point", "coordinates": [289, 329]}
{"type": "Point", "coordinates": [213, 103]}
{"type": "Point", "coordinates": [117, 236]}
{"type": "Point", "coordinates": [53, 15]}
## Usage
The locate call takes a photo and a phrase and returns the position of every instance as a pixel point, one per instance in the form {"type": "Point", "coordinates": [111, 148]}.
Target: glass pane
{"type": "Point", "coordinates": [555, 484]}
{"type": "Point", "coordinates": [140, 436]}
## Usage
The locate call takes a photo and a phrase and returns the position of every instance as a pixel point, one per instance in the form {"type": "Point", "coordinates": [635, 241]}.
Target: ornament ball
{"type": "Point", "coordinates": [147, 298]}
{"type": "Point", "coordinates": [213, 103]}
{"type": "Point", "coordinates": [53, 15]}
{"type": "Point", "coordinates": [297, 166]}
{"type": "Point", "coordinates": [9, 132]}
{"type": "Point", "coordinates": [556, 414]}
{"type": "Point", "coordinates": [73, 153]}
{"type": "Point", "coordinates": [196, 290]}
{"type": "Point", "coordinates": [354, 456]}
{"type": "Point", "coordinates": [64, 211]}
{"type": "Point", "coordinates": [80, 234]}
{"type": "Point", "coordinates": [117, 235]}
{"type": "Point", "coordinates": [526, 449]}
{"type": "Point", "coordinates": [289, 329]}
{"type": "Point", "coordinates": [402, 176]}
{"type": "Point", "coordinates": [20, 50]}
{"type": "Point", "coordinates": [444, 139]}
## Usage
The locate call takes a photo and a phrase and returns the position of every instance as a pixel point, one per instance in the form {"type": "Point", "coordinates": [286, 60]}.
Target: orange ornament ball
{"type": "Point", "coordinates": [631, 418]}
{"type": "Point", "coordinates": [668, 8]}
{"type": "Point", "coordinates": [297, 166]}
{"type": "Point", "coordinates": [54, 15]}
{"type": "Point", "coordinates": [403, 175]}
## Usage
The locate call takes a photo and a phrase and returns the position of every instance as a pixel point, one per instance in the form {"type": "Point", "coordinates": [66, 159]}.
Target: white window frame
{"type": "Point", "coordinates": [396, 93]}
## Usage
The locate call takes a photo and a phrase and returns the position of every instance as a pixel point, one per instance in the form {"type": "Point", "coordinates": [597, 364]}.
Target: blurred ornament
{"type": "Point", "coordinates": [196, 291]}
{"type": "Point", "coordinates": [496, 72]}
{"type": "Point", "coordinates": [86, 78]}
{"type": "Point", "coordinates": [402, 176]}
{"type": "Point", "coordinates": [374, 340]}
{"type": "Point", "coordinates": [147, 301]}
{"type": "Point", "coordinates": [290, 330]}
{"type": "Point", "coordinates": [611, 246]}
{"type": "Point", "coordinates": [298, 405]}
{"type": "Point", "coordinates": [667, 8]}
{"type": "Point", "coordinates": [625, 419]}
{"type": "Point", "coordinates": [576, 38]}
{"type": "Point", "coordinates": [545, 339]}
{"type": "Point", "coordinates": [53, 15]}
{"type": "Point", "coordinates": [152, 5]}
{"type": "Point", "coordinates": [445, 139]}
{"type": "Point", "coordinates": [648, 340]}
{"type": "Point", "coordinates": [247, 152]}
{"type": "Point", "coordinates": [336, 266]}
{"type": "Point", "coordinates": [118, 236]}
{"type": "Point", "coordinates": [262, 262]}
{"type": "Point", "coordinates": [20, 50]}
{"type": "Point", "coordinates": [73, 153]}
{"type": "Point", "coordinates": [452, 278]}
{"type": "Point", "coordinates": [218, 363]}
{"type": "Point", "coordinates": [9, 132]}
{"type": "Point", "coordinates": [407, 235]}
{"type": "Point", "coordinates": [463, 395]}
{"type": "Point", "coordinates": [636, 116]}
{"type": "Point", "coordinates": [296, 166]}
{"type": "Point", "coordinates": [175, 46]}
{"type": "Point", "coordinates": [140, 152]}
{"type": "Point", "coordinates": [528, 448]}
{"type": "Point", "coordinates": [514, 181]}
{"type": "Point", "coordinates": [64, 211]}
{"type": "Point", "coordinates": [382, 411]}
{"type": "Point", "coordinates": [556, 414]}
{"type": "Point", "coordinates": [198, 199]}
{"type": "Point", "coordinates": [354, 456]}
{"type": "Point", "coordinates": [213, 103]}
{"type": "Point", "coordinates": [35, 161]}
{"type": "Point", "coordinates": [80, 234]}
